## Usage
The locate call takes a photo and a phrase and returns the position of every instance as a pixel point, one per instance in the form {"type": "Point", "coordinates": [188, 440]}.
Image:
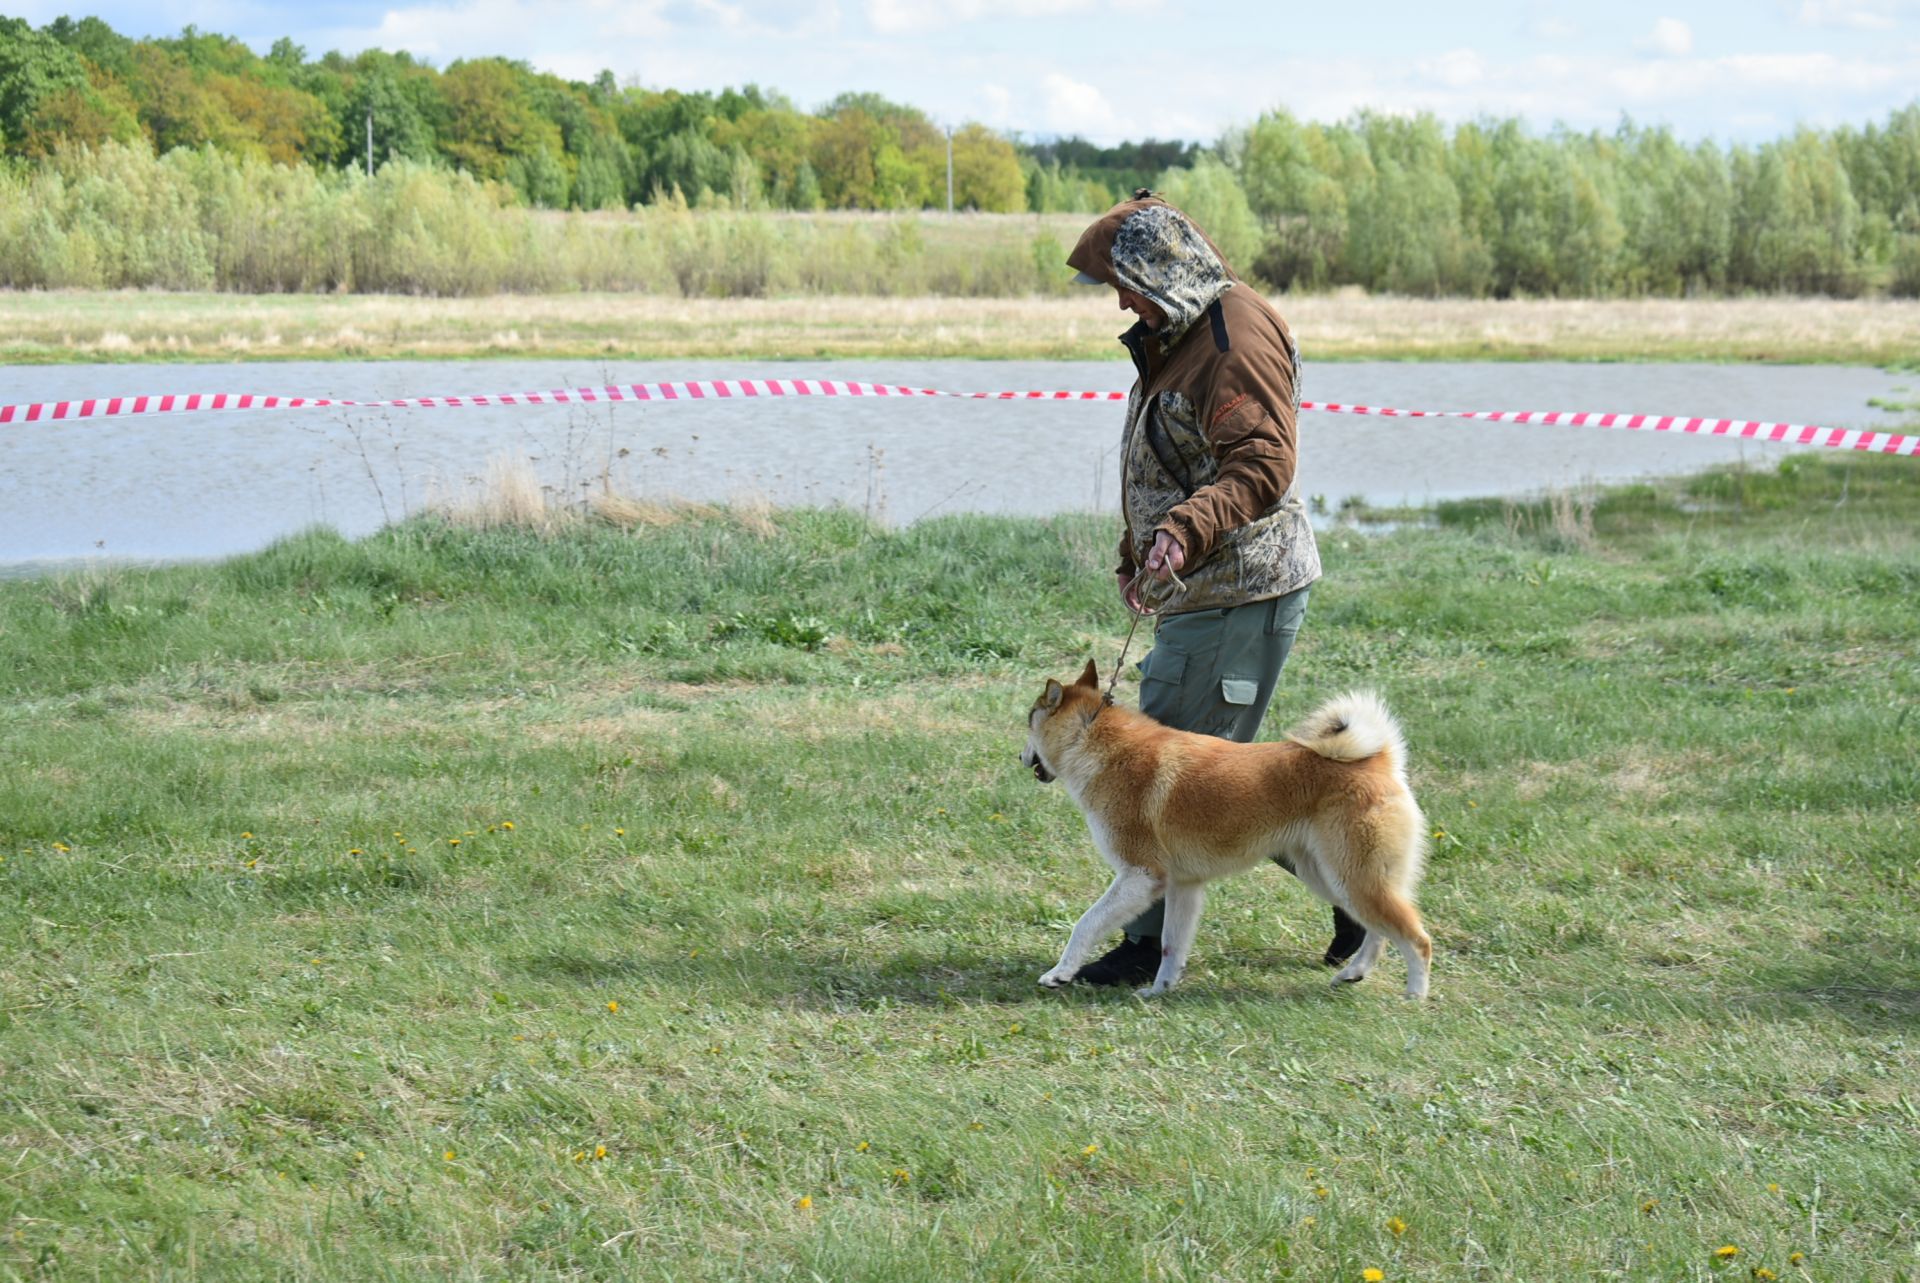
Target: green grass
{"type": "Point", "coordinates": [749, 890]}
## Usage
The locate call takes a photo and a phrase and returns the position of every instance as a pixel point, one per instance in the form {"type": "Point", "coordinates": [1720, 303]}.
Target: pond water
{"type": "Point", "coordinates": [208, 485]}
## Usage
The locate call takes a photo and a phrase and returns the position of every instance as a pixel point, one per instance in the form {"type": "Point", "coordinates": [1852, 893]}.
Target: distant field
{"type": "Point", "coordinates": [61, 327]}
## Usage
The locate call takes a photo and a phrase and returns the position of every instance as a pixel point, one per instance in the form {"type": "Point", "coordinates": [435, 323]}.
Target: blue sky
{"type": "Point", "coordinates": [1113, 69]}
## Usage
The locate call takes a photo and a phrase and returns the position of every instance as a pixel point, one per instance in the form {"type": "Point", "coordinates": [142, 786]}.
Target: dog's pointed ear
{"type": "Point", "coordinates": [1089, 676]}
{"type": "Point", "coordinates": [1055, 693]}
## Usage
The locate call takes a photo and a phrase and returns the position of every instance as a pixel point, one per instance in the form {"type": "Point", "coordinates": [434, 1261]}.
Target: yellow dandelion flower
{"type": "Point", "coordinates": [1727, 1252]}
{"type": "Point", "coordinates": [902, 1175]}
{"type": "Point", "coordinates": [1761, 1272]}
{"type": "Point", "coordinates": [599, 1151]}
{"type": "Point", "coordinates": [1014, 1028]}
{"type": "Point", "coordinates": [61, 846]}
{"type": "Point", "coordinates": [1772, 1188]}
{"type": "Point", "coordinates": [580, 1156]}
{"type": "Point", "coordinates": [619, 833]}
{"type": "Point", "coordinates": [1647, 1207]}
{"type": "Point", "coordinates": [453, 841]}
{"type": "Point", "coordinates": [1319, 1191]}
{"type": "Point", "coordinates": [803, 1202]}
{"type": "Point", "coordinates": [1796, 1258]}
{"type": "Point", "coordinates": [507, 825]}
{"type": "Point", "coordinates": [613, 1006]}
{"type": "Point", "coordinates": [1090, 1151]}
{"type": "Point", "coordinates": [975, 1127]}
{"type": "Point", "coordinates": [246, 835]}
{"type": "Point", "coordinates": [1306, 1222]}
{"type": "Point", "coordinates": [449, 1156]}
{"type": "Point", "coordinates": [862, 1147]}
{"type": "Point", "coordinates": [253, 864]}
{"type": "Point", "coordinates": [1396, 1226]}
{"type": "Point", "coordinates": [1313, 1171]}
{"type": "Point", "coordinates": [356, 851]}
{"type": "Point", "coordinates": [1372, 1275]}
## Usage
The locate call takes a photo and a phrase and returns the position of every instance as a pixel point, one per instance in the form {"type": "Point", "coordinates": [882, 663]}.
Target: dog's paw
{"type": "Point", "coordinates": [1350, 975]}
{"type": "Point", "coordinates": [1057, 978]}
{"type": "Point", "coordinates": [1151, 991]}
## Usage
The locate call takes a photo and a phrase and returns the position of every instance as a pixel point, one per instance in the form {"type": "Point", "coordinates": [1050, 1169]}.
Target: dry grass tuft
{"type": "Point", "coordinates": [628, 513]}
{"type": "Point", "coordinates": [510, 495]}
{"type": "Point", "coordinates": [754, 511]}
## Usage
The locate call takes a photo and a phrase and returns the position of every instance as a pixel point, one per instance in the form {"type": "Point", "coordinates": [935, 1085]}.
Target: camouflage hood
{"type": "Point", "coordinates": [1147, 246]}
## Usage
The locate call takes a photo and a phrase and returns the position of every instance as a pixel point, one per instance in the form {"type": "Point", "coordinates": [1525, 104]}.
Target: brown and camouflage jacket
{"type": "Point", "coordinates": [1210, 446]}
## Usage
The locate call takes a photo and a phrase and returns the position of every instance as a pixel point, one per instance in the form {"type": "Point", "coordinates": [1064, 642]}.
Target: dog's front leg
{"type": "Point", "coordinates": [1127, 898]}
{"type": "Point", "coordinates": [1184, 902]}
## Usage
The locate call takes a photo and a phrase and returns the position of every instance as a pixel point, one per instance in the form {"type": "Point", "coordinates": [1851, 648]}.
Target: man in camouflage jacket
{"type": "Point", "coordinates": [1208, 492]}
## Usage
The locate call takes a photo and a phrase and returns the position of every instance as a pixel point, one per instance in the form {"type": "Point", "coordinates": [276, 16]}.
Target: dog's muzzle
{"type": "Point", "coordinates": [1040, 772]}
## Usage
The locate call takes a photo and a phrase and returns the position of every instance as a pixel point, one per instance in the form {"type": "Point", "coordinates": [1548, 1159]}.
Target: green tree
{"type": "Point", "coordinates": [1211, 193]}
{"type": "Point", "coordinates": [490, 121]}
{"type": "Point", "coordinates": [33, 68]}
{"type": "Point", "coordinates": [1293, 177]}
{"type": "Point", "coordinates": [986, 172]}
{"type": "Point", "coordinates": [1797, 222]}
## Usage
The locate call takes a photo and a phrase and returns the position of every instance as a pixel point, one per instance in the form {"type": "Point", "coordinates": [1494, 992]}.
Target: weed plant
{"type": "Point", "coordinates": [663, 900]}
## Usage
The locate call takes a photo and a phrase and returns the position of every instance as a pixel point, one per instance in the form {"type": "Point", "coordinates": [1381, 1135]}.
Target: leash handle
{"type": "Point", "coordinates": [1106, 701]}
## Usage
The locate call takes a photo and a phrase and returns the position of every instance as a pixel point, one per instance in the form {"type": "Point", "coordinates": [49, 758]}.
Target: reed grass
{"type": "Point", "coordinates": [110, 326]}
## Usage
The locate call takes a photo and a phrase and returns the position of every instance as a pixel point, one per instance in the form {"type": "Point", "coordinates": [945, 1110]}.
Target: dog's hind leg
{"type": "Point", "coordinates": [1363, 959]}
{"type": "Point", "coordinates": [1127, 898]}
{"type": "Point", "coordinates": [1184, 902]}
{"type": "Point", "coordinates": [1388, 915]}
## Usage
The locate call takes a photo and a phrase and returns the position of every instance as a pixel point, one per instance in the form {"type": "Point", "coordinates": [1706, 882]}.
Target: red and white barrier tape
{"type": "Point", "coordinates": [725, 389]}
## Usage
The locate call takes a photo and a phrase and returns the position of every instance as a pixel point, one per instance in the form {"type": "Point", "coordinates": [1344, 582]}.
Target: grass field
{"type": "Point", "coordinates": [46, 327]}
{"type": "Point", "coordinates": [664, 900]}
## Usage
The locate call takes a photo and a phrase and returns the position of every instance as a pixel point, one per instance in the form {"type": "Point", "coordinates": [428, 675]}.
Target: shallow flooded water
{"type": "Point", "coordinates": [209, 485]}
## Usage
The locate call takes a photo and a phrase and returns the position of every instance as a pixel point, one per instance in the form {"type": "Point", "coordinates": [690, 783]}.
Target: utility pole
{"type": "Point", "coordinates": [369, 138]}
{"type": "Point", "coordinates": [949, 171]}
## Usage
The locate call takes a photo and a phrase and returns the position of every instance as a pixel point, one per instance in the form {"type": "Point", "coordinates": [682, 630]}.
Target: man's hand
{"type": "Point", "coordinates": [1130, 592]}
{"type": "Point", "coordinates": [1166, 557]}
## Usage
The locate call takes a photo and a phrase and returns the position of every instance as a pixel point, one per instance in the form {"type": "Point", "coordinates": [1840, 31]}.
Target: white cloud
{"type": "Point", "coordinates": [1862, 15]}
{"type": "Point", "coordinates": [1073, 107]}
{"type": "Point", "coordinates": [998, 111]}
{"type": "Point", "coordinates": [514, 28]}
{"type": "Point", "coordinates": [1551, 27]}
{"type": "Point", "coordinates": [902, 17]}
{"type": "Point", "coordinates": [1456, 69]}
{"type": "Point", "coordinates": [1669, 36]}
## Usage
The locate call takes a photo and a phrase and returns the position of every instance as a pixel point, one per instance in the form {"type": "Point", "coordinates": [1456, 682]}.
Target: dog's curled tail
{"type": "Point", "coordinates": [1351, 728]}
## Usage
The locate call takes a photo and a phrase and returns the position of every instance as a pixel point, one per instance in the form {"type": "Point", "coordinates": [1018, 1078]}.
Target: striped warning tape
{"type": "Point", "coordinates": [725, 389]}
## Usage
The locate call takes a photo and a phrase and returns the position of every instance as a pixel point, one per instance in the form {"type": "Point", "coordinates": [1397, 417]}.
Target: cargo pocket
{"type": "Point", "coordinates": [1239, 690]}
{"type": "Point", "coordinates": [1161, 671]}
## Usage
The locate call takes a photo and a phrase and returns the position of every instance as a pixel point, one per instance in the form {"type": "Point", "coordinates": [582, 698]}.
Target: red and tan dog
{"type": "Point", "coordinates": [1171, 811]}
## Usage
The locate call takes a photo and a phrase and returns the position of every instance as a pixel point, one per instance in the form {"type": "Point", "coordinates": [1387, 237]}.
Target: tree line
{"type": "Point", "coordinates": [1386, 202]}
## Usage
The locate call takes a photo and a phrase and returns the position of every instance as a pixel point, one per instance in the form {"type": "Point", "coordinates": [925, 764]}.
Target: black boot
{"type": "Point", "coordinates": [1131, 962]}
{"type": "Point", "coordinates": [1347, 935]}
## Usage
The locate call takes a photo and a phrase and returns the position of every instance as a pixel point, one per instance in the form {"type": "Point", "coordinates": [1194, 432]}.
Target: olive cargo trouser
{"type": "Point", "coordinates": [1213, 671]}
